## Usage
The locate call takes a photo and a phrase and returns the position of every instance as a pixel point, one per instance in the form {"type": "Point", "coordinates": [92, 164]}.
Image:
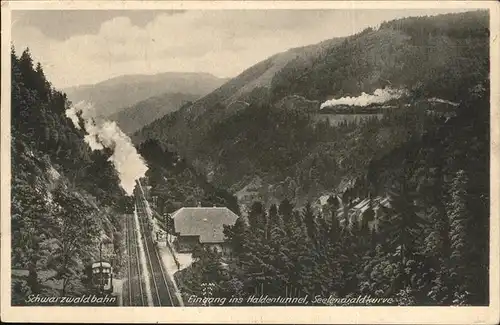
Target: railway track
{"type": "Point", "coordinates": [136, 295]}
{"type": "Point", "coordinates": [160, 289]}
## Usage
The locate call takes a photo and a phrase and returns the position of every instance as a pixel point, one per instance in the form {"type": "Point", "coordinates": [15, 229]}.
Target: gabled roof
{"type": "Point", "coordinates": [208, 223]}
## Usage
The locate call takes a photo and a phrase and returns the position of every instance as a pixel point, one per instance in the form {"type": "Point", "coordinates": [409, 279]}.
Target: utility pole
{"type": "Point", "coordinates": [165, 221]}
{"type": "Point", "coordinates": [101, 283]}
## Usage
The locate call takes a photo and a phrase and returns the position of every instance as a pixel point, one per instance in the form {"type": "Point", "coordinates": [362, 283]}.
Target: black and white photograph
{"type": "Point", "coordinates": [247, 157]}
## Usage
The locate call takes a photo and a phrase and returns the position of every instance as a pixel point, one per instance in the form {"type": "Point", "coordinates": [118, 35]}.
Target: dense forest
{"type": "Point", "coordinates": [65, 198]}
{"type": "Point", "coordinates": [428, 244]}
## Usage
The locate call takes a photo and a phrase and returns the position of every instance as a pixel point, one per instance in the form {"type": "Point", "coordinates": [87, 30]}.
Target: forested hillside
{"type": "Point", "coordinates": [133, 118]}
{"type": "Point", "coordinates": [66, 198]}
{"type": "Point", "coordinates": [423, 236]}
{"type": "Point", "coordinates": [176, 184]}
{"type": "Point", "coordinates": [436, 56]}
{"type": "Point", "coordinates": [234, 135]}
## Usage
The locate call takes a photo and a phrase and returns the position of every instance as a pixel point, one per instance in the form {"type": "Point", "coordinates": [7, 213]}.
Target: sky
{"type": "Point", "coordinates": [77, 47]}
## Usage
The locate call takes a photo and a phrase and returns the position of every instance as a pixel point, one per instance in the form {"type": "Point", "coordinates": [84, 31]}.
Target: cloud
{"type": "Point", "coordinates": [221, 42]}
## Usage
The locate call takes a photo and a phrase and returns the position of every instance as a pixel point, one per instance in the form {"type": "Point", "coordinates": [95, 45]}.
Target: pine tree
{"type": "Point", "coordinates": [309, 221]}
{"type": "Point", "coordinates": [285, 210]}
{"type": "Point", "coordinates": [405, 228]}
{"type": "Point", "coordinates": [26, 68]}
{"type": "Point", "coordinates": [460, 222]}
{"type": "Point", "coordinates": [274, 217]}
{"type": "Point", "coordinates": [288, 215]}
{"type": "Point", "coordinates": [40, 83]}
{"type": "Point", "coordinates": [349, 259]}
{"type": "Point", "coordinates": [236, 236]}
{"type": "Point", "coordinates": [280, 253]}
{"type": "Point", "coordinates": [257, 217]}
{"type": "Point", "coordinates": [302, 274]}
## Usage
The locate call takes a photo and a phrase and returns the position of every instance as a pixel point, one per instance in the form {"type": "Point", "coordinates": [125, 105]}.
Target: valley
{"type": "Point", "coordinates": [355, 166]}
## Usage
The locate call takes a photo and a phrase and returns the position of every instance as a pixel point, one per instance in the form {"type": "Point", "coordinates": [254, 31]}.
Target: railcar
{"type": "Point", "coordinates": [102, 277]}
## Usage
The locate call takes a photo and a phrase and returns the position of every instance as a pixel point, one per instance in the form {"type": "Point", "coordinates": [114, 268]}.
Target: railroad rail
{"type": "Point", "coordinates": [136, 292]}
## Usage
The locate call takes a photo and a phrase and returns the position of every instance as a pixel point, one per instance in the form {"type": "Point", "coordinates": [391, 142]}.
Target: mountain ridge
{"type": "Point", "coordinates": [146, 111]}
{"type": "Point", "coordinates": [142, 78]}
{"type": "Point", "coordinates": [115, 94]}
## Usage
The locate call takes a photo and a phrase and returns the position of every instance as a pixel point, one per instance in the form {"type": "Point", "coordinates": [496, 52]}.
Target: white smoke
{"type": "Point", "coordinates": [71, 113]}
{"type": "Point", "coordinates": [106, 134]}
{"type": "Point", "coordinates": [379, 96]}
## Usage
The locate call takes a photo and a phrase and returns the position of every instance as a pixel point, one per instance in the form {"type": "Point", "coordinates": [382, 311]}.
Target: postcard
{"type": "Point", "coordinates": [250, 162]}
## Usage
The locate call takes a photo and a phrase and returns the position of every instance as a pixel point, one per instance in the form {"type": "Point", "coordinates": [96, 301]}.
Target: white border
{"type": "Point", "coordinates": [297, 315]}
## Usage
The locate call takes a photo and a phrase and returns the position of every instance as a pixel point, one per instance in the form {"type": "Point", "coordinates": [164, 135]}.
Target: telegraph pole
{"type": "Point", "coordinates": [101, 283]}
{"type": "Point", "coordinates": [165, 221]}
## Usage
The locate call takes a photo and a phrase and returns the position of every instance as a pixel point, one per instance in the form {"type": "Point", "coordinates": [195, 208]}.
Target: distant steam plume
{"type": "Point", "coordinates": [379, 96]}
{"type": "Point", "coordinates": [105, 134]}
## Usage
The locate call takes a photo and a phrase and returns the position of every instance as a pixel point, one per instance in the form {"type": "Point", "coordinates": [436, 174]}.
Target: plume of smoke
{"type": "Point", "coordinates": [71, 113]}
{"type": "Point", "coordinates": [379, 96]}
{"type": "Point", "coordinates": [106, 134]}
